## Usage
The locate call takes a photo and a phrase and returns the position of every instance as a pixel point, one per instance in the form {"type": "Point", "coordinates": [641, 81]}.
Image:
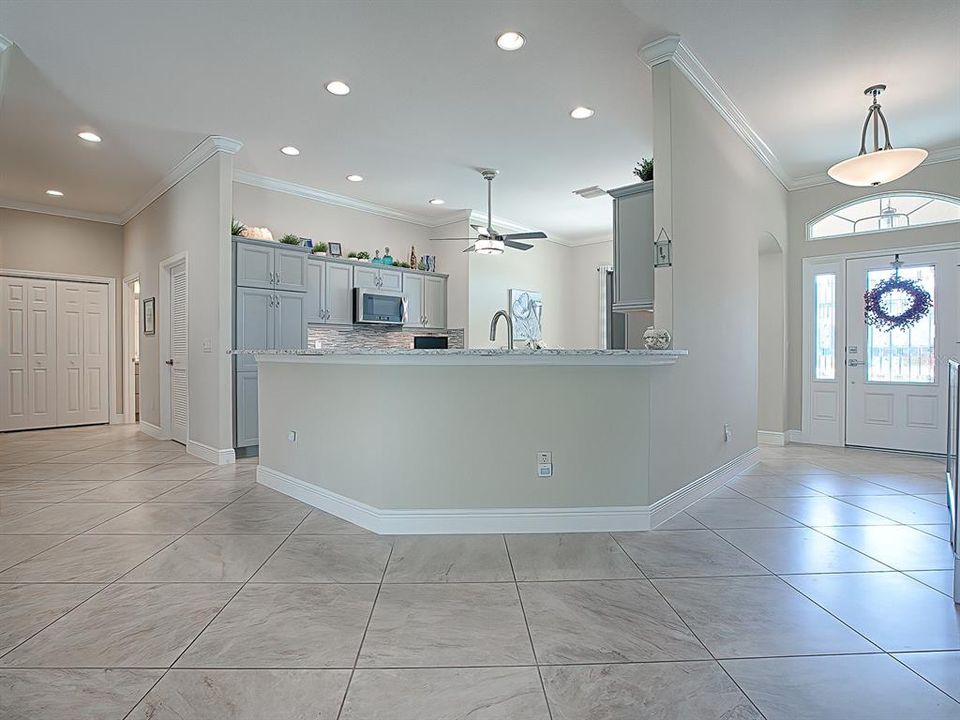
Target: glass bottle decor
{"type": "Point", "coordinates": [377, 260]}
{"type": "Point", "coordinates": [413, 257]}
{"type": "Point", "coordinates": [387, 257]}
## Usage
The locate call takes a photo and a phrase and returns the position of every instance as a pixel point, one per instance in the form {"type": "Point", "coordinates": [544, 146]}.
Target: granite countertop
{"type": "Point", "coordinates": [475, 352]}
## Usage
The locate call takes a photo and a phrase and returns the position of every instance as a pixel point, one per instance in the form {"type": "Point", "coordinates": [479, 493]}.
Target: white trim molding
{"type": "Point", "coordinates": [210, 454]}
{"type": "Point", "coordinates": [11, 204]}
{"type": "Point", "coordinates": [453, 521]}
{"type": "Point", "coordinates": [151, 430]}
{"type": "Point", "coordinates": [679, 500]}
{"type": "Point", "coordinates": [211, 145]}
{"type": "Point", "coordinates": [771, 437]}
{"type": "Point", "coordinates": [670, 48]}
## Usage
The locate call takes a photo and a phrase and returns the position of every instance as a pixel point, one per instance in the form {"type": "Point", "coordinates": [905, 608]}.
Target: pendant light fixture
{"type": "Point", "coordinates": [882, 164]}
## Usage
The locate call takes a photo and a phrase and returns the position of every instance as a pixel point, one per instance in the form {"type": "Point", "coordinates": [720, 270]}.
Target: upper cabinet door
{"type": "Point", "coordinates": [255, 316]}
{"type": "Point", "coordinates": [434, 302]}
{"type": "Point", "coordinates": [255, 265]}
{"type": "Point", "coordinates": [391, 280]}
{"type": "Point", "coordinates": [338, 301]}
{"type": "Point", "coordinates": [413, 291]}
{"type": "Point", "coordinates": [291, 268]}
{"type": "Point", "coordinates": [633, 251]}
{"type": "Point", "coordinates": [290, 330]}
{"type": "Point", "coordinates": [316, 291]}
{"type": "Point", "coordinates": [366, 277]}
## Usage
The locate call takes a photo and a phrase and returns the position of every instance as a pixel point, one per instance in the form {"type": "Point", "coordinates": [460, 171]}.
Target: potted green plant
{"type": "Point", "coordinates": [236, 227]}
{"type": "Point", "coordinates": [320, 248]}
{"type": "Point", "coordinates": [363, 256]}
{"type": "Point", "coordinates": [289, 239]}
{"type": "Point", "coordinates": [351, 255]}
{"type": "Point", "coordinates": [644, 169]}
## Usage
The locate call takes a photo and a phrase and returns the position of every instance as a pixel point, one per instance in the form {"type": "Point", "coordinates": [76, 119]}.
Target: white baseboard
{"type": "Point", "coordinates": [679, 500]}
{"type": "Point", "coordinates": [153, 431]}
{"type": "Point", "coordinates": [210, 454]}
{"type": "Point", "coordinates": [769, 437]}
{"type": "Point", "coordinates": [430, 521]}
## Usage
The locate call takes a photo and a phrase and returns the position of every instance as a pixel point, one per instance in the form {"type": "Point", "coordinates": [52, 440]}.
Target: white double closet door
{"type": "Point", "coordinates": [54, 361]}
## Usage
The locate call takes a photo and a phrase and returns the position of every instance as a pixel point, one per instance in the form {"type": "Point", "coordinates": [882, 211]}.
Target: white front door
{"type": "Point", "coordinates": [177, 361]}
{"type": "Point", "coordinates": [896, 380]}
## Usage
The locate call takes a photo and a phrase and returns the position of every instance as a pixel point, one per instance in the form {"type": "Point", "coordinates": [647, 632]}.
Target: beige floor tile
{"type": "Point", "coordinates": [731, 513]}
{"type": "Point", "coordinates": [153, 518]}
{"type": "Point", "coordinates": [72, 694]}
{"type": "Point", "coordinates": [898, 546]}
{"type": "Point", "coordinates": [169, 472]}
{"type": "Point", "coordinates": [321, 523]}
{"type": "Point", "coordinates": [27, 609]}
{"type": "Point", "coordinates": [855, 687]}
{"type": "Point", "coordinates": [201, 491]}
{"type": "Point", "coordinates": [327, 559]}
{"type": "Point", "coordinates": [245, 695]}
{"type": "Point", "coordinates": [448, 558]}
{"type": "Point", "coordinates": [128, 491]}
{"type": "Point", "coordinates": [686, 553]}
{"type": "Point", "coordinates": [289, 626]}
{"type": "Point", "coordinates": [442, 694]}
{"type": "Point", "coordinates": [107, 471]}
{"type": "Point", "coordinates": [940, 668]}
{"type": "Point", "coordinates": [902, 508]}
{"type": "Point", "coordinates": [446, 625]}
{"type": "Point", "coordinates": [651, 691]}
{"type": "Point", "coordinates": [941, 580]}
{"type": "Point", "coordinates": [605, 621]}
{"type": "Point", "coordinates": [680, 521]}
{"type": "Point", "coordinates": [63, 518]}
{"type": "Point", "coordinates": [131, 626]}
{"type": "Point", "coordinates": [572, 556]}
{"type": "Point", "coordinates": [799, 550]}
{"type": "Point", "coordinates": [826, 511]}
{"type": "Point", "coordinates": [253, 518]}
{"type": "Point", "coordinates": [17, 509]}
{"type": "Point", "coordinates": [207, 558]}
{"type": "Point", "coordinates": [761, 486]}
{"type": "Point", "coordinates": [16, 548]}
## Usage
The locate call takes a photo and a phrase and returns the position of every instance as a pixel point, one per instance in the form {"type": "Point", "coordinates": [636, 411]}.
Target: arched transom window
{"type": "Point", "coordinates": [889, 211]}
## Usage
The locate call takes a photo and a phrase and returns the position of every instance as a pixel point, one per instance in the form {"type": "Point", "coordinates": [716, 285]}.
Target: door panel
{"type": "Point", "coordinates": [14, 386]}
{"type": "Point", "coordinates": [42, 353]}
{"type": "Point", "coordinates": [896, 379]}
{"type": "Point", "coordinates": [179, 385]}
{"type": "Point", "coordinates": [435, 302]}
{"type": "Point", "coordinates": [95, 357]}
{"type": "Point", "coordinates": [247, 428]}
{"type": "Point", "coordinates": [290, 331]}
{"type": "Point", "coordinates": [254, 324]}
{"type": "Point", "coordinates": [316, 290]}
{"type": "Point", "coordinates": [70, 352]}
{"type": "Point", "coordinates": [413, 292]}
{"type": "Point", "coordinates": [365, 277]}
{"type": "Point", "coordinates": [291, 267]}
{"type": "Point", "coordinates": [338, 299]}
{"type": "Point", "coordinates": [254, 265]}
{"type": "Point", "coordinates": [391, 280]}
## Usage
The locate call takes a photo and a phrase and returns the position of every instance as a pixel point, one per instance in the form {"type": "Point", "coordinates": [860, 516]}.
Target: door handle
{"type": "Point", "coordinates": [170, 362]}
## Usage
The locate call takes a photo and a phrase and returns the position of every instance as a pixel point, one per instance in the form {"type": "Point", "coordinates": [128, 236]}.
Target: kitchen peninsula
{"type": "Point", "coordinates": [448, 441]}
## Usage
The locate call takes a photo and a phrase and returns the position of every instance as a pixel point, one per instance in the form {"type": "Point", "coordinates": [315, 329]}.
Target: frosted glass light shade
{"type": "Point", "coordinates": [488, 246]}
{"type": "Point", "coordinates": [878, 167]}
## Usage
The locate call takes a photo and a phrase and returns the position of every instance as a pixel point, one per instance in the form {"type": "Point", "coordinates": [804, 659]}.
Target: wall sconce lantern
{"type": "Point", "coordinates": [662, 255]}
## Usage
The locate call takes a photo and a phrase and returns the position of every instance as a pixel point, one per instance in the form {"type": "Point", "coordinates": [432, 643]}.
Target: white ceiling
{"type": "Point", "coordinates": [434, 98]}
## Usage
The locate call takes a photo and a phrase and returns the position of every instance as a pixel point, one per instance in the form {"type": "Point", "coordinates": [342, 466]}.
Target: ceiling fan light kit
{"type": "Point", "coordinates": [882, 164]}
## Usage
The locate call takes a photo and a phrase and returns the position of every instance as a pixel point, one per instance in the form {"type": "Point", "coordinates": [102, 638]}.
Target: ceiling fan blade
{"type": "Point", "coordinates": [470, 249]}
{"type": "Point", "coordinates": [516, 245]}
{"type": "Point", "coordinates": [525, 236]}
{"type": "Point", "coordinates": [438, 239]}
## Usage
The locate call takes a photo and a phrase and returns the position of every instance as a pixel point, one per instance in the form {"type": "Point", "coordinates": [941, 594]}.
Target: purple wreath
{"type": "Point", "coordinates": [875, 314]}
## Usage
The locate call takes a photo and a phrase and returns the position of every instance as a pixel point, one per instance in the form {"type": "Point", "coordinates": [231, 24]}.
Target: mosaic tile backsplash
{"type": "Point", "coordinates": [365, 337]}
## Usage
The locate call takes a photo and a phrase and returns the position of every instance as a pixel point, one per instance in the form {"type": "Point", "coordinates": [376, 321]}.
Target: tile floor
{"type": "Point", "coordinates": [137, 582]}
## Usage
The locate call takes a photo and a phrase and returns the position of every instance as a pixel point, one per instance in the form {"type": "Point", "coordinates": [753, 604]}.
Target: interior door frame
{"type": "Point", "coordinates": [128, 375]}
{"type": "Point", "coordinates": [111, 283]}
{"type": "Point", "coordinates": [809, 430]}
{"type": "Point", "coordinates": [163, 331]}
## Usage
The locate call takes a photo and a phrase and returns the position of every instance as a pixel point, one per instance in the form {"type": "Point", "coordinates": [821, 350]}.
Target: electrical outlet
{"type": "Point", "coordinates": [727, 432]}
{"type": "Point", "coordinates": [292, 436]}
{"type": "Point", "coordinates": [544, 470]}
{"type": "Point", "coordinates": [545, 457]}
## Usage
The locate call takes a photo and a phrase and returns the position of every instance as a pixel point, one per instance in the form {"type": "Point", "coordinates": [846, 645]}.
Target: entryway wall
{"type": "Point", "coordinates": [809, 203]}
{"type": "Point", "coordinates": [50, 244]}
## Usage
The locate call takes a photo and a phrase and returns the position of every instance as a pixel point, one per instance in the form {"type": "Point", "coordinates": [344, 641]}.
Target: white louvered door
{"type": "Point", "coordinates": [179, 396]}
{"type": "Point", "coordinates": [14, 386]}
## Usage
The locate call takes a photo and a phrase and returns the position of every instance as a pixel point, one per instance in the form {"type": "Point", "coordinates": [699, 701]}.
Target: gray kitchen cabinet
{"type": "Point", "coordinates": [248, 431]}
{"type": "Point", "coordinates": [426, 300]}
{"type": "Point", "coordinates": [378, 278]}
{"type": "Point", "coordinates": [265, 264]}
{"type": "Point", "coordinates": [329, 292]}
{"type": "Point", "coordinates": [633, 237]}
{"type": "Point", "coordinates": [289, 325]}
{"type": "Point", "coordinates": [255, 321]}
{"type": "Point", "coordinates": [291, 269]}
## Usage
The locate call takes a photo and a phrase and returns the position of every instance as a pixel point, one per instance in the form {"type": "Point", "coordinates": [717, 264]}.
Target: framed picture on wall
{"type": "Point", "coordinates": [150, 316]}
{"type": "Point", "coordinates": [333, 249]}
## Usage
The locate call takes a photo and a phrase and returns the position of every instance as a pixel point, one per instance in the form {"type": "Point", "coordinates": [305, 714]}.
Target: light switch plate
{"type": "Point", "coordinates": [207, 345]}
{"type": "Point", "coordinates": [292, 436]}
{"type": "Point", "coordinates": [544, 457]}
{"type": "Point", "coordinates": [544, 470]}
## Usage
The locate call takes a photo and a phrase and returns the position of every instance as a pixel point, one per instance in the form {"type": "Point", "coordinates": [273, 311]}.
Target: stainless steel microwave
{"type": "Point", "coordinates": [379, 307]}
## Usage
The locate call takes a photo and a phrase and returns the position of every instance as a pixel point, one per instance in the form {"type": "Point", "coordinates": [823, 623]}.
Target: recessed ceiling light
{"type": "Point", "coordinates": [90, 137]}
{"type": "Point", "coordinates": [290, 150]}
{"type": "Point", "coordinates": [55, 193]}
{"type": "Point", "coordinates": [510, 41]}
{"type": "Point", "coordinates": [338, 87]}
{"type": "Point", "coordinates": [437, 201]}
{"type": "Point", "coordinates": [355, 178]}
{"type": "Point", "coordinates": [581, 113]}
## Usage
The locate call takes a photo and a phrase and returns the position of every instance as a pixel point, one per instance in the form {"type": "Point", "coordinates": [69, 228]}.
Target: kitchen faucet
{"type": "Point", "coordinates": [493, 327]}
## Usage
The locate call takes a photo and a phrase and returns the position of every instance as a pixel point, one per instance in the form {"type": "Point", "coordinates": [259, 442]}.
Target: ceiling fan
{"type": "Point", "coordinates": [490, 242]}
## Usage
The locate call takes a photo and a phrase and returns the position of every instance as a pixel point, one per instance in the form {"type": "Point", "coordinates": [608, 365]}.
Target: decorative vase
{"type": "Point", "coordinates": [656, 338]}
{"type": "Point", "coordinates": [387, 257]}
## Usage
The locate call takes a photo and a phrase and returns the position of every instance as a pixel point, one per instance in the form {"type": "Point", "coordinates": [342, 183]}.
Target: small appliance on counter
{"type": "Point", "coordinates": [431, 342]}
{"type": "Point", "coordinates": [379, 307]}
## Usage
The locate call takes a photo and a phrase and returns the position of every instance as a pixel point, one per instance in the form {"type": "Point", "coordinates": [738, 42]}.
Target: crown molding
{"type": "Point", "coordinates": [328, 198]}
{"type": "Point", "coordinates": [4, 43]}
{"type": "Point", "coordinates": [936, 156]}
{"type": "Point", "coordinates": [659, 51]}
{"type": "Point", "coordinates": [210, 146]}
{"type": "Point", "coordinates": [12, 204]}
